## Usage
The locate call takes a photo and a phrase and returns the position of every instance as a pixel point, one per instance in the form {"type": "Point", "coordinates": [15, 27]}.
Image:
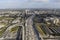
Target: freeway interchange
{"type": "Point", "coordinates": [50, 28]}
{"type": "Point", "coordinates": [28, 28]}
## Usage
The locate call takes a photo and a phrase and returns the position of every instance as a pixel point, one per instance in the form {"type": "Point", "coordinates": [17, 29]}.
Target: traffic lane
{"type": "Point", "coordinates": [36, 32]}
{"type": "Point", "coordinates": [46, 30]}
{"type": "Point", "coordinates": [29, 24]}
{"type": "Point", "coordinates": [55, 31]}
{"type": "Point", "coordinates": [19, 33]}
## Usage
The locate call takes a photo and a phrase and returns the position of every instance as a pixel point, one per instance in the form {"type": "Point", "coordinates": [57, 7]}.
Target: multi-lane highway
{"type": "Point", "coordinates": [30, 33]}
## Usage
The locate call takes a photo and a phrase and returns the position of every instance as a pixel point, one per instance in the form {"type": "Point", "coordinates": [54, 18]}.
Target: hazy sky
{"type": "Point", "coordinates": [29, 4]}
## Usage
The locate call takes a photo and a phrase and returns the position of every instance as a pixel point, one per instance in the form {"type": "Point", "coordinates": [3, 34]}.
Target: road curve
{"type": "Point", "coordinates": [30, 33]}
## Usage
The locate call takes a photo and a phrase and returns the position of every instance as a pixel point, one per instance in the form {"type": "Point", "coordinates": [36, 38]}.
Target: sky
{"type": "Point", "coordinates": [29, 4]}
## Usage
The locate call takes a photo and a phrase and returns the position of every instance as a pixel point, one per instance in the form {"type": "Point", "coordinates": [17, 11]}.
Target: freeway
{"type": "Point", "coordinates": [46, 29]}
{"type": "Point", "coordinates": [30, 32]}
{"type": "Point", "coordinates": [56, 31]}
{"type": "Point", "coordinates": [19, 33]}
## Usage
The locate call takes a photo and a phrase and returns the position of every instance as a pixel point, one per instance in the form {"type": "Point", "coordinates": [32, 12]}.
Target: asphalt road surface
{"type": "Point", "coordinates": [30, 33]}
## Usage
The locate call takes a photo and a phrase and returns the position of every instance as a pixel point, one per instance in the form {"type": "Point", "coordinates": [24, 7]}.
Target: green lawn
{"type": "Point", "coordinates": [2, 30]}
{"type": "Point", "coordinates": [14, 29]}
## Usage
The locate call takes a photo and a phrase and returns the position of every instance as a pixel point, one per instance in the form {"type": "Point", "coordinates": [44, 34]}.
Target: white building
{"type": "Point", "coordinates": [52, 19]}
